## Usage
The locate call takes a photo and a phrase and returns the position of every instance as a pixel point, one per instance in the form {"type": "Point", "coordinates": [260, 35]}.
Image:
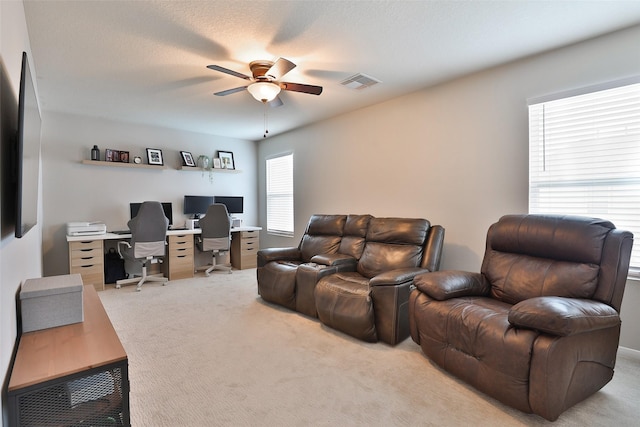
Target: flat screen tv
{"type": "Point", "coordinates": [27, 153]}
{"type": "Point", "coordinates": [234, 204]}
{"type": "Point", "coordinates": [197, 205]}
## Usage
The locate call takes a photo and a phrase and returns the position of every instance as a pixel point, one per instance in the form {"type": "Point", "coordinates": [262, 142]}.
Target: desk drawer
{"type": "Point", "coordinates": [249, 260]}
{"type": "Point", "coordinates": [181, 239]}
{"type": "Point", "coordinates": [89, 261]}
{"type": "Point", "coordinates": [85, 244]}
{"type": "Point", "coordinates": [249, 245]}
{"type": "Point", "coordinates": [86, 254]}
{"type": "Point", "coordinates": [86, 258]}
{"type": "Point", "coordinates": [244, 249]}
{"type": "Point", "coordinates": [177, 251]}
{"type": "Point", "coordinates": [180, 256]}
{"type": "Point", "coordinates": [181, 267]}
{"type": "Point", "coordinates": [249, 235]}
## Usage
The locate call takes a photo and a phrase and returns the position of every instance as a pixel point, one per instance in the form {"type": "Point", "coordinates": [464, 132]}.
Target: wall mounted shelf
{"type": "Point", "coordinates": [121, 165]}
{"type": "Point", "coordinates": [191, 168]}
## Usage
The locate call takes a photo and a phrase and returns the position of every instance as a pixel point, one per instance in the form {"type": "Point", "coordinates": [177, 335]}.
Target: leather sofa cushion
{"type": "Point", "coordinates": [580, 240]}
{"type": "Point", "coordinates": [327, 225]}
{"type": "Point", "coordinates": [355, 230]}
{"type": "Point", "coordinates": [315, 245]}
{"type": "Point", "coordinates": [472, 338]}
{"type": "Point", "coordinates": [514, 278]}
{"type": "Point", "coordinates": [357, 225]}
{"type": "Point", "coordinates": [393, 243]}
{"type": "Point", "coordinates": [323, 236]}
{"type": "Point", "coordinates": [343, 302]}
{"type": "Point", "coordinates": [380, 257]}
{"type": "Point", "coordinates": [398, 230]}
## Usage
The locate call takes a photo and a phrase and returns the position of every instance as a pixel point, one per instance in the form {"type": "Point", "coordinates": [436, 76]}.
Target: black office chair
{"type": "Point", "coordinates": [216, 234]}
{"type": "Point", "coordinates": [148, 241]}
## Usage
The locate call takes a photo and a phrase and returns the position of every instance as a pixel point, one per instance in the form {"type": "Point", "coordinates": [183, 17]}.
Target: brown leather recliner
{"type": "Point", "coordinates": [538, 328]}
{"type": "Point", "coordinates": [370, 300]}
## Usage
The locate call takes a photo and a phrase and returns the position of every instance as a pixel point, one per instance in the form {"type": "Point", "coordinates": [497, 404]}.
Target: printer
{"type": "Point", "coordinates": [85, 228]}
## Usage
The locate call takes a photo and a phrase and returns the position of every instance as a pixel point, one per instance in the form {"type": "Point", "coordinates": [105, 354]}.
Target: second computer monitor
{"type": "Point", "coordinates": [234, 204]}
{"type": "Point", "coordinates": [195, 206]}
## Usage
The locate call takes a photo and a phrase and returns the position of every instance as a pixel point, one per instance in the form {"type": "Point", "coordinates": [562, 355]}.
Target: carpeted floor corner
{"type": "Point", "coordinates": [208, 351]}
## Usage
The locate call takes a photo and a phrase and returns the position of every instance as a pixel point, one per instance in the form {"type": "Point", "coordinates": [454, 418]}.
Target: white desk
{"type": "Point", "coordinates": [86, 253]}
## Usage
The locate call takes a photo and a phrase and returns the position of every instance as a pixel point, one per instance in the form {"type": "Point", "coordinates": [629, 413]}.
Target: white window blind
{"type": "Point", "coordinates": [280, 195]}
{"type": "Point", "coordinates": [584, 158]}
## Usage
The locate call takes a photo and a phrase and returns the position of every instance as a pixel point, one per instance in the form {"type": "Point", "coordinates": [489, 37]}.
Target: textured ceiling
{"type": "Point", "coordinates": [145, 61]}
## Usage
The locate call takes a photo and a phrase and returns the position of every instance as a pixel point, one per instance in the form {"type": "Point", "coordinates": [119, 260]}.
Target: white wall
{"type": "Point", "coordinates": [20, 259]}
{"type": "Point", "coordinates": [77, 192]}
{"type": "Point", "coordinates": [456, 154]}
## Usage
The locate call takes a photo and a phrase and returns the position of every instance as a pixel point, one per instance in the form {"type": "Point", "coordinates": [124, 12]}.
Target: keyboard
{"type": "Point", "coordinates": [121, 232]}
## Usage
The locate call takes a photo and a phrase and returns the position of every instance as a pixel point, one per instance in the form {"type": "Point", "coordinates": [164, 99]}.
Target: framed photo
{"type": "Point", "coordinates": [124, 156]}
{"type": "Point", "coordinates": [109, 155]}
{"type": "Point", "coordinates": [226, 159]}
{"type": "Point", "coordinates": [187, 159]}
{"type": "Point", "coordinates": [154, 157]}
{"type": "Point", "coordinates": [216, 163]}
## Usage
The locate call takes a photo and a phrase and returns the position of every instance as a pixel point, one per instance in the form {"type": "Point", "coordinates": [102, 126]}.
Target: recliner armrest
{"type": "Point", "coordinates": [334, 259]}
{"type": "Point", "coordinates": [396, 277]}
{"type": "Point", "coordinates": [563, 316]}
{"type": "Point", "coordinates": [277, 254]}
{"type": "Point", "coordinates": [444, 285]}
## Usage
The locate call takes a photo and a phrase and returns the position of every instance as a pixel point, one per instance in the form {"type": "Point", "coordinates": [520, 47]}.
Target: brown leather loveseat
{"type": "Point", "coordinates": [538, 328]}
{"type": "Point", "coordinates": [364, 267]}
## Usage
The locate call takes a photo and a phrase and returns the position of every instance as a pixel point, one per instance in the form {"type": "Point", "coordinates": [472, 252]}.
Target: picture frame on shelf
{"type": "Point", "coordinates": [124, 156]}
{"type": "Point", "coordinates": [226, 159]}
{"type": "Point", "coordinates": [109, 155]}
{"type": "Point", "coordinates": [187, 159]}
{"type": "Point", "coordinates": [216, 163]}
{"type": "Point", "coordinates": [154, 157]}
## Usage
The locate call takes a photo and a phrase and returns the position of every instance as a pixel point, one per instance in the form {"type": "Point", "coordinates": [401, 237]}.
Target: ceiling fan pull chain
{"type": "Point", "coordinates": [266, 119]}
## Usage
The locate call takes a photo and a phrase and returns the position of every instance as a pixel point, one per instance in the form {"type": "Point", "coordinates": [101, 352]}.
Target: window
{"type": "Point", "coordinates": [584, 158]}
{"type": "Point", "coordinates": [280, 195]}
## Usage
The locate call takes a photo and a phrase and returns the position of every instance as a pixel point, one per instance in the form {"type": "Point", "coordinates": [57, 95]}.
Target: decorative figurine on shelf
{"type": "Point", "coordinates": [95, 153]}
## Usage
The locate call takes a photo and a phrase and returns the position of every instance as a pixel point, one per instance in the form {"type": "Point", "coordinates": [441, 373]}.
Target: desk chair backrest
{"type": "Point", "coordinates": [149, 231]}
{"type": "Point", "coordinates": [216, 228]}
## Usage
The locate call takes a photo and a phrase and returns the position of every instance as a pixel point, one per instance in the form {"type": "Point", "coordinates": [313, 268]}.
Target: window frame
{"type": "Point", "coordinates": [578, 165]}
{"type": "Point", "coordinates": [283, 226]}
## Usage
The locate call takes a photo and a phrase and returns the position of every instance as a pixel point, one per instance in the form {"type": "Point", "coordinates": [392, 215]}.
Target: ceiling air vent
{"type": "Point", "coordinates": [359, 81]}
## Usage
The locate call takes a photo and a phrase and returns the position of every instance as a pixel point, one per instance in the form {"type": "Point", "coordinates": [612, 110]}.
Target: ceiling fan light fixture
{"type": "Point", "coordinates": [264, 91]}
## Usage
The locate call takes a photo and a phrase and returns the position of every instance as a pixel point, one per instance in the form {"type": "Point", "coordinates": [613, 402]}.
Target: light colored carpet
{"type": "Point", "coordinates": [210, 352]}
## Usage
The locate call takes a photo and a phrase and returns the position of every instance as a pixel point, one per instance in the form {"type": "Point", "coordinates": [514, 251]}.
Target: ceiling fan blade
{"type": "Point", "coordinates": [299, 87]}
{"type": "Point", "coordinates": [228, 71]}
{"type": "Point", "coordinates": [275, 102]}
{"type": "Point", "coordinates": [281, 67]}
{"type": "Point", "coordinates": [230, 91]}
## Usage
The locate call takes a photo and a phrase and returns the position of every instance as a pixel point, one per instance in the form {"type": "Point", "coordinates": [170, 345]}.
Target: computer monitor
{"type": "Point", "coordinates": [166, 207]}
{"type": "Point", "coordinates": [234, 204]}
{"type": "Point", "coordinates": [197, 205]}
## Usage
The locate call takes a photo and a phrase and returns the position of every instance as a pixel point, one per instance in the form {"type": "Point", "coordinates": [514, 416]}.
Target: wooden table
{"type": "Point", "coordinates": [71, 373]}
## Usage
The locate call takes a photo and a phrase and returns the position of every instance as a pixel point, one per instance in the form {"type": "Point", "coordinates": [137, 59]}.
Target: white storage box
{"type": "Point", "coordinates": [51, 301]}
